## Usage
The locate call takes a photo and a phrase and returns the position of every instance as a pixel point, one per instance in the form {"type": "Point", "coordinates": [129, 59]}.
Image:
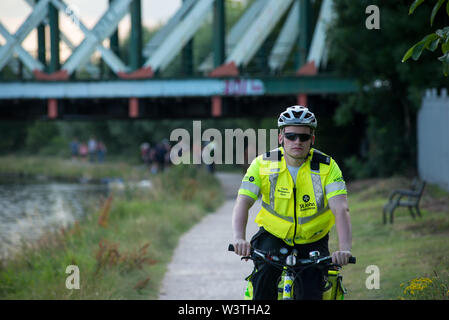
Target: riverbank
{"type": "Point", "coordinates": [68, 170]}
{"type": "Point", "coordinates": [121, 249]}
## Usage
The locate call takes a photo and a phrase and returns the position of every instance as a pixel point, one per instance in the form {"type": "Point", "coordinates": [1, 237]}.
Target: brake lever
{"type": "Point", "coordinates": [260, 254]}
{"type": "Point", "coordinates": [325, 259]}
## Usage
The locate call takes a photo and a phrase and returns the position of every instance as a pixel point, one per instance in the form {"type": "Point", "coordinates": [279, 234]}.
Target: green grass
{"type": "Point", "coordinates": [127, 257]}
{"type": "Point", "coordinates": [121, 252]}
{"type": "Point", "coordinates": [406, 250]}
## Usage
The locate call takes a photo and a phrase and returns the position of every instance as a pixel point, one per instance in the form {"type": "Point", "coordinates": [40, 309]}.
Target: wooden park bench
{"type": "Point", "coordinates": [396, 199]}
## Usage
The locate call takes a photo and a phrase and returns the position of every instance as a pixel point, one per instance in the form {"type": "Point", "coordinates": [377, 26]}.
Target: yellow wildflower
{"type": "Point", "coordinates": [417, 284]}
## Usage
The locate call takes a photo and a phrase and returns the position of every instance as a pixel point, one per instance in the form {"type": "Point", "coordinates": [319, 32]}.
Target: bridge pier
{"type": "Point", "coordinates": [217, 106]}
{"type": "Point", "coordinates": [133, 108]}
{"type": "Point", "coordinates": [52, 108]}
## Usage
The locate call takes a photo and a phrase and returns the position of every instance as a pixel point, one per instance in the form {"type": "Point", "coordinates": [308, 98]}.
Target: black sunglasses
{"type": "Point", "coordinates": [303, 137]}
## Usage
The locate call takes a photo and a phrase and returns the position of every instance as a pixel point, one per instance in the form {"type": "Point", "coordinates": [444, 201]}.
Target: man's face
{"type": "Point", "coordinates": [296, 149]}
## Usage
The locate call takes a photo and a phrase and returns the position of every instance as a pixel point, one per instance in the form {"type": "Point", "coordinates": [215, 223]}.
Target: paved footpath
{"type": "Point", "coordinates": [202, 268]}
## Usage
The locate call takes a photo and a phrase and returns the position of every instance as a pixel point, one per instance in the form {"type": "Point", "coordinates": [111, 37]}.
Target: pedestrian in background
{"type": "Point", "coordinates": [92, 147]}
{"type": "Point", "coordinates": [74, 149]}
{"type": "Point", "coordinates": [83, 151]}
{"type": "Point", "coordinates": [101, 151]}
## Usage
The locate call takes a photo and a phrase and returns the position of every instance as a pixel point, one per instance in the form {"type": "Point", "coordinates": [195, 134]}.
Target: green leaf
{"type": "Point", "coordinates": [435, 10]}
{"type": "Point", "coordinates": [418, 50]}
{"type": "Point", "coordinates": [429, 39]}
{"type": "Point", "coordinates": [440, 33]}
{"type": "Point", "coordinates": [445, 47]}
{"type": "Point", "coordinates": [409, 53]}
{"type": "Point", "coordinates": [426, 43]}
{"type": "Point", "coordinates": [446, 31]}
{"type": "Point", "coordinates": [433, 45]}
{"type": "Point", "coordinates": [415, 5]}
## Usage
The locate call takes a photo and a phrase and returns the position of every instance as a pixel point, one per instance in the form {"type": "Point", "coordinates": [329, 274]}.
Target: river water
{"type": "Point", "coordinates": [29, 208]}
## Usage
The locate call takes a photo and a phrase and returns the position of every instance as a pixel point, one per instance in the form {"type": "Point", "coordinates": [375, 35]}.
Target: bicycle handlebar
{"type": "Point", "coordinates": [321, 260]}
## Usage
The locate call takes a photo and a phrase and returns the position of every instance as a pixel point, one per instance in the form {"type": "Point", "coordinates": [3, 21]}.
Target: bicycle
{"type": "Point", "coordinates": [292, 267]}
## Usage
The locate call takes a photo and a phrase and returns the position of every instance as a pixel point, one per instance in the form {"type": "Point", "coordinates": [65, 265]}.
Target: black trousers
{"type": "Point", "coordinates": [265, 280]}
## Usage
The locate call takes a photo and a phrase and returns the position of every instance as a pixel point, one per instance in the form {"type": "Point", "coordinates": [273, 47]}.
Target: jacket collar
{"type": "Point", "coordinates": [283, 164]}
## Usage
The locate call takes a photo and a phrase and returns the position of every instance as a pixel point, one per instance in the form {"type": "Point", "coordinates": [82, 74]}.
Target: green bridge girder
{"type": "Point", "coordinates": [54, 93]}
{"type": "Point", "coordinates": [178, 87]}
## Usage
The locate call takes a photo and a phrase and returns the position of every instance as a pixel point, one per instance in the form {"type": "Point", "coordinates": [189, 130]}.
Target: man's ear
{"type": "Point", "coordinates": [313, 140]}
{"type": "Point", "coordinates": [281, 138]}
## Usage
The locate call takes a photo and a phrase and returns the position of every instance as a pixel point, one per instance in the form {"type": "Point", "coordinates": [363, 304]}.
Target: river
{"type": "Point", "coordinates": [29, 208]}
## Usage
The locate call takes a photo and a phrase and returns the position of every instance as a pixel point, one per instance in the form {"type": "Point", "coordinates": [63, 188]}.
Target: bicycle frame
{"type": "Point", "coordinates": [335, 291]}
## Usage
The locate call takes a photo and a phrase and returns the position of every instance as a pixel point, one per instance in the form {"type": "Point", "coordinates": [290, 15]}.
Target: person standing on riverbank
{"type": "Point", "coordinates": [83, 151]}
{"type": "Point", "coordinates": [74, 149]}
{"type": "Point", "coordinates": [101, 151]}
{"type": "Point", "coordinates": [92, 147]}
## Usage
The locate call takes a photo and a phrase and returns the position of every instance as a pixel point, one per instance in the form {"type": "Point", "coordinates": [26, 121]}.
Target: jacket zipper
{"type": "Point", "coordinates": [294, 211]}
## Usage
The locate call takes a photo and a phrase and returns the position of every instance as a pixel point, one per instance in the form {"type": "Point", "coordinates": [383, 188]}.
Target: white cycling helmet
{"type": "Point", "coordinates": [297, 116]}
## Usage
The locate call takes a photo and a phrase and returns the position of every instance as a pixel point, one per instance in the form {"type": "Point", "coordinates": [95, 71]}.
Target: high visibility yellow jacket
{"type": "Point", "coordinates": [296, 213]}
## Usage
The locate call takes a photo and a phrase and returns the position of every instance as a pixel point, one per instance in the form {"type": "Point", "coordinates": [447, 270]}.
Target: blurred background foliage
{"type": "Point", "coordinates": [390, 91]}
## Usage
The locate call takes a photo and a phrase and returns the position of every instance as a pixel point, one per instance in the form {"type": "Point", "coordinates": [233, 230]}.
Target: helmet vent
{"type": "Point", "coordinates": [296, 114]}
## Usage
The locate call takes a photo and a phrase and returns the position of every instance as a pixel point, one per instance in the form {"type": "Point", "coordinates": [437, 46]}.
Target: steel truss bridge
{"type": "Point", "coordinates": [220, 86]}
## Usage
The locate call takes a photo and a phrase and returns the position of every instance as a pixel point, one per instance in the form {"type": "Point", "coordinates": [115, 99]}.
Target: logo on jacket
{"type": "Point", "coordinates": [307, 205]}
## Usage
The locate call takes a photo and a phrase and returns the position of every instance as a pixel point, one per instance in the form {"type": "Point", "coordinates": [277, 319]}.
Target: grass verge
{"type": "Point", "coordinates": [405, 252]}
{"type": "Point", "coordinates": [57, 168]}
{"type": "Point", "coordinates": [121, 249]}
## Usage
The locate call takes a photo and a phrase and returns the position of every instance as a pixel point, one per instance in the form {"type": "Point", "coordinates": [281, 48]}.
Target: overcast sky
{"type": "Point", "coordinates": [14, 12]}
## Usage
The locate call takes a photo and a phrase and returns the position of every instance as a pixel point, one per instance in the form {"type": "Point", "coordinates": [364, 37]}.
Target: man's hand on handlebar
{"type": "Point", "coordinates": [242, 247]}
{"type": "Point", "coordinates": [341, 257]}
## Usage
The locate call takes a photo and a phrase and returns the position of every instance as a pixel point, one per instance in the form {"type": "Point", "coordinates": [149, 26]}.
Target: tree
{"type": "Point", "coordinates": [431, 42]}
{"type": "Point", "coordinates": [13, 135]}
{"type": "Point", "coordinates": [390, 92]}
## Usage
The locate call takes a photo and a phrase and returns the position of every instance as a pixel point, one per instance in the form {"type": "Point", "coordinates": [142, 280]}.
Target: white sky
{"type": "Point", "coordinates": [14, 12]}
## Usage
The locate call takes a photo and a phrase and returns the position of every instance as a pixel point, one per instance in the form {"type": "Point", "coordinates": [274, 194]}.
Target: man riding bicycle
{"type": "Point", "coordinates": [303, 196]}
